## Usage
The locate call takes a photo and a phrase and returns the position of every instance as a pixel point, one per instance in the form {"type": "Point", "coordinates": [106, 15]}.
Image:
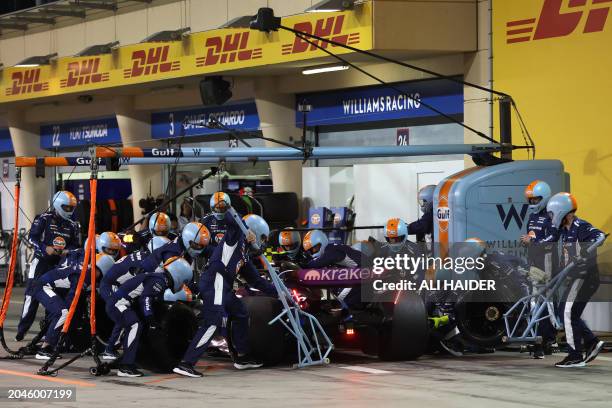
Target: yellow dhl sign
{"type": "Point", "coordinates": [208, 52]}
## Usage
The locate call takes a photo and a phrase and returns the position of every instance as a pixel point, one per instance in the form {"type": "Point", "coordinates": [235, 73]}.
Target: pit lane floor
{"type": "Point", "coordinates": [502, 379]}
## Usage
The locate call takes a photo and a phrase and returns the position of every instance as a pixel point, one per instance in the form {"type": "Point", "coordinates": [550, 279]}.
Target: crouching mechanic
{"type": "Point", "coordinates": [325, 254]}
{"type": "Point", "coordinates": [396, 235]}
{"type": "Point", "coordinates": [143, 290]}
{"type": "Point", "coordinates": [220, 302]}
{"type": "Point", "coordinates": [53, 235]}
{"type": "Point", "coordinates": [575, 236]}
{"type": "Point", "coordinates": [122, 271]}
{"type": "Point", "coordinates": [108, 243]}
{"type": "Point", "coordinates": [55, 291]}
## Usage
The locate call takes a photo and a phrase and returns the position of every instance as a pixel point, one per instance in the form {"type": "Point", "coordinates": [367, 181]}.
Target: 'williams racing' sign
{"type": "Point", "coordinates": [97, 131]}
{"type": "Point", "coordinates": [380, 103]}
{"type": "Point", "coordinates": [204, 121]}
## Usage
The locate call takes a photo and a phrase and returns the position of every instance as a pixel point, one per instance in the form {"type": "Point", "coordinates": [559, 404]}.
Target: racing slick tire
{"type": "Point", "coordinates": [266, 342]}
{"type": "Point", "coordinates": [405, 335]}
{"type": "Point", "coordinates": [480, 316]}
{"type": "Point", "coordinates": [163, 349]}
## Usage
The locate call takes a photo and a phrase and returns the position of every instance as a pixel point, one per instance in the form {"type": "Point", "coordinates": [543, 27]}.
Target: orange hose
{"type": "Point", "coordinates": [92, 307]}
{"type": "Point", "coordinates": [6, 298]}
{"type": "Point", "coordinates": [91, 236]}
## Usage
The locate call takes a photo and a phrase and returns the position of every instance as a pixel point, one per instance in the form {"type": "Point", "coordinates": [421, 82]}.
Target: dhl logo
{"type": "Point", "coordinates": [26, 81]}
{"type": "Point", "coordinates": [84, 72]}
{"type": "Point", "coordinates": [151, 61]}
{"type": "Point", "coordinates": [328, 28]}
{"type": "Point", "coordinates": [232, 47]}
{"type": "Point", "coordinates": [560, 18]}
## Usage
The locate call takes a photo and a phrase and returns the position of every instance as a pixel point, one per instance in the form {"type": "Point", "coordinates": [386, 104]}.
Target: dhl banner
{"type": "Point", "coordinates": [553, 57]}
{"type": "Point", "coordinates": [208, 52]}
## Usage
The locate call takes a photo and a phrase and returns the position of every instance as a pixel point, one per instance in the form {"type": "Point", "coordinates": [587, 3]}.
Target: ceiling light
{"type": "Point", "coordinates": [325, 68]}
{"type": "Point", "coordinates": [36, 61]}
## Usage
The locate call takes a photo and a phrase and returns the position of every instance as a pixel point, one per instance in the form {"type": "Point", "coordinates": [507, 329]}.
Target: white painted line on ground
{"type": "Point", "coordinates": [603, 358]}
{"type": "Point", "coordinates": [366, 370]}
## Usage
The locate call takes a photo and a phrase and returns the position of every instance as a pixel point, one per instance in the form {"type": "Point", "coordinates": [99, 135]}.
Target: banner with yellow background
{"type": "Point", "coordinates": [554, 57]}
{"type": "Point", "coordinates": [209, 52]}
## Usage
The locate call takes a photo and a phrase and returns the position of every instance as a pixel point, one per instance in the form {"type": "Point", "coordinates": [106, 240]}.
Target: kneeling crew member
{"type": "Point", "coordinates": [144, 290]}
{"type": "Point", "coordinates": [55, 291]}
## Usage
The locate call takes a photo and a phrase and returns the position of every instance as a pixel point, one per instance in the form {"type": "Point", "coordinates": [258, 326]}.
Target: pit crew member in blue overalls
{"type": "Point", "coordinates": [326, 254]}
{"type": "Point", "coordinates": [215, 221]}
{"type": "Point", "coordinates": [122, 271]}
{"type": "Point", "coordinates": [539, 242]}
{"type": "Point", "coordinates": [53, 235]}
{"type": "Point", "coordinates": [55, 291]}
{"type": "Point", "coordinates": [141, 292]}
{"type": "Point", "coordinates": [230, 258]}
{"type": "Point", "coordinates": [575, 236]}
{"type": "Point", "coordinates": [423, 227]}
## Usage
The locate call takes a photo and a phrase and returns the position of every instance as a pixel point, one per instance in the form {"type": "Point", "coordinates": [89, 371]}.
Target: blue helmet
{"type": "Point", "coordinates": [219, 203]}
{"type": "Point", "coordinates": [290, 241]}
{"type": "Point", "coordinates": [64, 203]}
{"type": "Point", "coordinates": [157, 242]}
{"type": "Point", "coordinates": [315, 242]}
{"type": "Point", "coordinates": [396, 233]}
{"type": "Point", "coordinates": [538, 189]}
{"type": "Point", "coordinates": [259, 226]}
{"type": "Point", "coordinates": [195, 237]}
{"type": "Point", "coordinates": [180, 270]}
{"type": "Point", "coordinates": [471, 248]}
{"type": "Point", "coordinates": [425, 197]}
{"type": "Point", "coordinates": [559, 206]}
{"type": "Point", "coordinates": [159, 224]}
{"type": "Point", "coordinates": [104, 262]}
{"type": "Point", "coordinates": [108, 243]}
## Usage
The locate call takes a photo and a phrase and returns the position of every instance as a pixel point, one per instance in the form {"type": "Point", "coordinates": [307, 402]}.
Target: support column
{"type": "Point", "coordinates": [26, 142]}
{"type": "Point", "coordinates": [277, 117]}
{"type": "Point", "coordinates": [478, 69]}
{"type": "Point", "coordinates": [135, 129]}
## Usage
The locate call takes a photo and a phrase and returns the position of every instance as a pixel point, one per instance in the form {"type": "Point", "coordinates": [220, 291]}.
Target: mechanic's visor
{"type": "Point", "coordinates": [314, 250]}
{"type": "Point", "coordinates": [289, 248]}
{"type": "Point", "coordinates": [68, 208]}
{"type": "Point", "coordinates": [534, 200]}
{"type": "Point", "coordinates": [195, 246]}
{"type": "Point", "coordinates": [110, 251]}
{"type": "Point", "coordinates": [395, 240]}
{"type": "Point", "coordinates": [220, 207]}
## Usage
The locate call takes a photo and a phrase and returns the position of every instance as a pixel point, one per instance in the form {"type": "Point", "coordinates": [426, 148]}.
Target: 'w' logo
{"type": "Point", "coordinates": [512, 214]}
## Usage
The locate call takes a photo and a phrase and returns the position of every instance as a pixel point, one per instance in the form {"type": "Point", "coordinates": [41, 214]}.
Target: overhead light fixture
{"type": "Point", "coordinates": [36, 61]}
{"type": "Point", "coordinates": [331, 6]}
{"type": "Point", "coordinates": [167, 35]}
{"type": "Point", "coordinates": [324, 68]}
{"type": "Point", "coordinates": [98, 49]}
{"type": "Point", "coordinates": [238, 22]}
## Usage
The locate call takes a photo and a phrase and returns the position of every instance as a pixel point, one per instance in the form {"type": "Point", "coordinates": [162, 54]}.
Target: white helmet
{"type": "Point", "coordinates": [290, 241]}
{"type": "Point", "coordinates": [195, 238]}
{"type": "Point", "coordinates": [559, 206]}
{"type": "Point", "coordinates": [260, 228]}
{"type": "Point", "coordinates": [425, 197]}
{"type": "Point", "coordinates": [104, 262]}
{"type": "Point", "coordinates": [315, 242]}
{"type": "Point", "coordinates": [180, 271]}
{"type": "Point", "coordinates": [108, 243]}
{"type": "Point", "coordinates": [537, 189]}
{"type": "Point", "coordinates": [64, 203]}
{"type": "Point", "coordinates": [157, 242]}
{"type": "Point", "coordinates": [159, 224]}
{"type": "Point", "coordinates": [219, 203]}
